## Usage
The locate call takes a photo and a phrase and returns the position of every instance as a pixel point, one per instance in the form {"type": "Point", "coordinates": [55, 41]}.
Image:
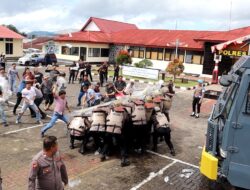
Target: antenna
{"type": "Point", "coordinates": [230, 15]}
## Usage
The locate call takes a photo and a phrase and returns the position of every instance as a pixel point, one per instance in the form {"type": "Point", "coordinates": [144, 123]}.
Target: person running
{"type": "Point", "coordinates": [59, 111]}
{"type": "Point", "coordinates": [12, 76]}
{"type": "Point", "coordinates": [47, 87]}
{"type": "Point", "coordinates": [29, 95]}
{"type": "Point", "coordinates": [198, 96]}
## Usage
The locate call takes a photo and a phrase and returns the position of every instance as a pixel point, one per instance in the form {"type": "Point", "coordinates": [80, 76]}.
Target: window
{"type": "Point", "coordinates": [104, 52]}
{"type": "Point", "coordinates": [154, 53]}
{"type": "Point", "coordinates": [74, 51]}
{"type": "Point", "coordinates": [9, 48]}
{"type": "Point", "coordinates": [167, 55]}
{"type": "Point", "coordinates": [160, 54]}
{"type": "Point", "coordinates": [70, 51]}
{"type": "Point", "coordinates": [9, 39]}
{"type": "Point", "coordinates": [94, 52]}
{"type": "Point", "coordinates": [138, 52]}
{"type": "Point", "coordinates": [194, 57]}
{"type": "Point", "coordinates": [1, 39]}
{"type": "Point", "coordinates": [141, 52]}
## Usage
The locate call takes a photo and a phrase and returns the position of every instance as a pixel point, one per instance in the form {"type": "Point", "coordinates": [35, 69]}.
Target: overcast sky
{"type": "Point", "coordinates": [55, 15]}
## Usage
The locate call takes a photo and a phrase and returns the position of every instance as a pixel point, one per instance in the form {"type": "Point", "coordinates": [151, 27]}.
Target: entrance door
{"type": "Point", "coordinates": [83, 51]}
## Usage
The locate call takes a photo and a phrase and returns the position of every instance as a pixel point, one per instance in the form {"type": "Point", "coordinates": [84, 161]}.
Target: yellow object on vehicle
{"type": "Point", "coordinates": [209, 165]}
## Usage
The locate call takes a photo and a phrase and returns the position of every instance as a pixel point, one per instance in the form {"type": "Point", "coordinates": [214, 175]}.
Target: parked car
{"type": "Point", "coordinates": [26, 59]}
{"type": "Point", "coordinates": [43, 59]}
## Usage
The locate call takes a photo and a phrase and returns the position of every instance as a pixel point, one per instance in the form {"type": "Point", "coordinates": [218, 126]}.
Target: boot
{"type": "Point", "coordinates": [125, 162]}
{"type": "Point", "coordinates": [172, 152]}
{"type": "Point", "coordinates": [154, 148]}
{"type": "Point", "coordinates": [102, 158]}
{"type": "Point", "coordinates": [193, 114]}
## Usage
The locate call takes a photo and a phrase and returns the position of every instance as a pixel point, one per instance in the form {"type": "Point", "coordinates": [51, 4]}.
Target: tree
{"type": "Point", "coordinates": [14, 29]}
{"type": "Point", "coordinates": [123, 57]}
{"type": "Point", "coordinates": [175, 68]}
{"type": "Point", "coordinates": [144, 63]}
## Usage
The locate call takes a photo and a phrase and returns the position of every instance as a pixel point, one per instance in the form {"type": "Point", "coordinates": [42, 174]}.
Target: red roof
{"type": "Point", "coordinates": [85, 36]}
{"type": "Point", "coordinates": [161, 38]}
{"type": "Point", "coordinates": [129, 34]}
{"type": "Point", "coordinates": [109, 26]}
{"type": "Point", "coordinates": [37, 43]}
{"type": "Point", "coordinates": [7, 33]}
{"type": "Point", "coordinates": [224, 36]}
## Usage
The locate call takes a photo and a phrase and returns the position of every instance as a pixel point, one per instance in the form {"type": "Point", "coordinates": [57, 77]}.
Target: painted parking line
{"type": "Point", "coordinates": [23, 129]}
{"type": "Point", "coordinates": [173, 159]}
{"type": "Point", "coordinates": [152, 175]}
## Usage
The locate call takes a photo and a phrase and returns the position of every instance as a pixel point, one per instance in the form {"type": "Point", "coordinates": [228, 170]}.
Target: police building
{"type": "Point", "coordinates": [100, 40]}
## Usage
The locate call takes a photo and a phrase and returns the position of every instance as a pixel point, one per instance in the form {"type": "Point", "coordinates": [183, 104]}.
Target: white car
{"type": "Point", "coordinates": [26, 59]}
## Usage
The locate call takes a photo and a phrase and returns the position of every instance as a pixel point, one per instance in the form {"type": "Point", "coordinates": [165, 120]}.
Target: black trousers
{"type": "Point", "coordinates": [49, 99]}
{"type": "Point", "coordinates": [101, 76]}
{"type": "Point", "coordinates": [140, 132]}
{"type": "Point", "coordinates": [106, 76]}
{"type": "Point", "coordinates": [111, 140]}
{"type": "Point", "coordinates": [166, 133]}
{"type": "Point", "coordinates": [115, 78]}
{"type": "Point", "coordinates": [196, 104]}
{"type": "Point", "coordinates": [38, 102]}
{"type": "Point", "coordinates": [18, 102]}
{"type": "Point", "coordinates": [89, 75]}
{"type": "Point", "coordinates": [72, 76]}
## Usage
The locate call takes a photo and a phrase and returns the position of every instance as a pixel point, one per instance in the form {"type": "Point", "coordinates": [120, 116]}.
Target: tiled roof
{"type": "Point", "coordinates": [161, 38]}
{"type": "Point", "coordinates": [227, 35]}
{"type": "Point", "coordinates": [36, 43]}
{"type": "Point", "coordinates": [85, 36]}
{"type": "Point", "coordinates": [109, 26]}
{"type": "Point", "coordinates": [7, 33]}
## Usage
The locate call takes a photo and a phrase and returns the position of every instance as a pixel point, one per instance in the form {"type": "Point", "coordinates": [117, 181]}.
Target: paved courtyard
{"type": "Point", "coordinates": [19, 143]}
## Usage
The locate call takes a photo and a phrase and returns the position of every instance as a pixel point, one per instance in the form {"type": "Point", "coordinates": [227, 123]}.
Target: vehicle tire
{"type": "Point", "coordinates": [27, 63]}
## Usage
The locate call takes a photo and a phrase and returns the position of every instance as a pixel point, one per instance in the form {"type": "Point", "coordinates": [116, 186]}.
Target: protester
{"type": "Point", "coordinates": [48, 171]}
{"type": "Point", "coordinates": [38, 100]}
{"type": "Point", "coordinates": [2, 114]}
{"type": "Point", "coordinates": [98, 95]}
{"type": "Point", "coordinates": [89, 97]}
{"type": "Point", "coordinates": [129, 89]}
{"type": "Point", "coordinates": [72, 72]}
{"type": "Point", "coordinates": [59, 111]}
{"type": "Point", "coordinates": [116, 72]}
{"type": "Point", "coordinates": [29, 95]}
{"type": "Point", "coordinates": [61, 82]}
{"type": "Point", "coordinates": [88, 71]}
{"type": "Point", "coordinates": [110, 92]}
{"type": "Point", "coordinates": [85, 82]}
{"type": "Point", "coordinates": [54, 73]}
{"type": "Point", "coordinates": [12, 76]}
{"type": "Point", "coordinates": [47, 87]}
{"type": "Point", "coordinates": [38, 76]}
{"type": "Point", "coordinates": [120, 86]}
{"type": "Point", "coordinates": [28, 74]}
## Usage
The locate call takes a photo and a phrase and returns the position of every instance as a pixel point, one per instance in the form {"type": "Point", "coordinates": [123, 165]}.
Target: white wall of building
{"type": "Point", "coordinates": [76, 57]}
{"type": "Point", "coordinates": [162, 65]}
{"type": "Point", "coordinates": [92, 27]}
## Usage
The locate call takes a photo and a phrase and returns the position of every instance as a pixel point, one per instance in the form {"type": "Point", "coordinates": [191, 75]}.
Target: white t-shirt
{"type": "Point", "coordinates": [29, 94]}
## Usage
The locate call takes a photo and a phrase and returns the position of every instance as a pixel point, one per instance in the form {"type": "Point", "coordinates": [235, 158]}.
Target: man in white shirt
{"type": "Point", "coordinates": [29, 95]}
{"type": "Point", "coordinates": [89, 97]}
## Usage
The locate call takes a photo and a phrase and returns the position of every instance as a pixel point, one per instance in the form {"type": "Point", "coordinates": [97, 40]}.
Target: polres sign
{"type": "Point", "coordinates": [235, 53]}
{"type": "Point", "coordinates": [140, 72]}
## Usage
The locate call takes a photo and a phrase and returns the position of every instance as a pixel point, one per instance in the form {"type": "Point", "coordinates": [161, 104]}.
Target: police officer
{"type": "Point", "coordinates": [161, 128]}
{"type": "Point", "coordinates": [48, 172]}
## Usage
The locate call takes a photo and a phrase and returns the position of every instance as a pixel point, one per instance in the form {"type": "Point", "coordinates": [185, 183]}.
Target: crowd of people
{"type": "Point", "coordinates": [125, 125]}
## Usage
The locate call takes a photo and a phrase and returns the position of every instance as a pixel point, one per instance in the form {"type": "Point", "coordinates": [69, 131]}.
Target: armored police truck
{"type": "Point", "coordinates": [227, 150]}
